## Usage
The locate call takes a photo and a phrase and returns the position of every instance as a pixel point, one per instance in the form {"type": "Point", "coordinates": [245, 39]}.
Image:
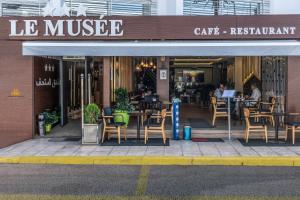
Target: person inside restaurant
{"type": "Point", "coordinates": [219, 91]}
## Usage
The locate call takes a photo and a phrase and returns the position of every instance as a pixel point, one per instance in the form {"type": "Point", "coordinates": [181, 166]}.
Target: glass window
{"type": "Point", "coordinates": [226, 7]}
{"type": "Point", "coordinates": [94, 7]}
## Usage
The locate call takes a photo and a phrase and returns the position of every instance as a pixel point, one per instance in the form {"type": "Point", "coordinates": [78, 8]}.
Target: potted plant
{"type": "Point", "coordinates": [122, 106]}
{"type": "Point", "coordinates": [91, 126]}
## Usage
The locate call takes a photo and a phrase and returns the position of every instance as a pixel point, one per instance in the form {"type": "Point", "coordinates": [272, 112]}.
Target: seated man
{"type": "Point", "coordinates": [219, 91]}
{"type": "Point", "coordinates": [255, 96]}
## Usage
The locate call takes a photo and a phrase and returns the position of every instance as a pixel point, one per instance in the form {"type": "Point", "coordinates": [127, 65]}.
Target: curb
{"type": "Point", "coordinates": [154, 160]}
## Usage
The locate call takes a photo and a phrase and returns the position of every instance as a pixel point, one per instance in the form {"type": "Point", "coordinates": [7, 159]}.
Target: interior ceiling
{"type": "Point", "coordinates": [197, 61]}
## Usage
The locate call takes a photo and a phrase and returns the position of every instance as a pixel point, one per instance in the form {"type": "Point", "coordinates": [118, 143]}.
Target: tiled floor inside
{"type": "Point", "coordinates": [43, 147]}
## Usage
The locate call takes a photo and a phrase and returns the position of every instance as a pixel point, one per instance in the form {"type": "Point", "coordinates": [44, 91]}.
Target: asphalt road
{"type": "Point", "coordinates": [150, 181]}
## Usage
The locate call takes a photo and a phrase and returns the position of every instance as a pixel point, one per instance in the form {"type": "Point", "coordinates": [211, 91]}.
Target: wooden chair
{"type": "Point", "coordinates": [157, 127]}
{"type": "Point", "coordinates": [109, 126]}
{"type": "Point", "coordinates": [218, 110]}
{"type": "Point", "coordinates": [169, 112]}
{"type": "Point", "coordinates": [293, 125]}
{"type": "Point", "coordinates": [267, 108]}
{"type": "Point", "coordinates": [253, 107]}
{"type": "Point", "coordinates": [254, 127]}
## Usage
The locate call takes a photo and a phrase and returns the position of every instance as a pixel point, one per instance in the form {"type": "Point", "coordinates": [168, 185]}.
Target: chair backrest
{"type": "Point", "coordinates": [213, 101]}
{"type": "Point", "coordinates": [163, 116]}
{"type": "Point", "coordinates": [273, 103]}
{"type": "Point", "coordinates": [107, 111]}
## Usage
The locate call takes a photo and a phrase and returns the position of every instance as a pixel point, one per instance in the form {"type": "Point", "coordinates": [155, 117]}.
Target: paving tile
{"type": "Point", "coordinates": [226, 149]}
{"type": "Point", "coordinates": [137, 151]}
{"type": "Point", "coordinates": [295, 149]}
{"type": "Point", "coordinates": [67, 151]}
{"type": "Point", "coordinates": [190, 148]}
{"type": "Point", "coordinates": [119, 151]}
{"type": "Point", "coordinates": [264, 151]}
{"type": "Point", "coordinates": [155, 151]}
{"type": "Point", "coordinates": [208, 149]}
{"type": "Point", "coordinates": [283, 151]}
{"type": "Point", "coordinates": [175, 150]}
{"type": "Point", "coordinates": [242, 150]}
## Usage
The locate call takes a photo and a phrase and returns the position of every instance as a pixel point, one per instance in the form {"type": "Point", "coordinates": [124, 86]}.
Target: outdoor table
{"type": "Point", "coordinates": [138, 115]}
{"type": "Point", "coordinates": [277, 115]}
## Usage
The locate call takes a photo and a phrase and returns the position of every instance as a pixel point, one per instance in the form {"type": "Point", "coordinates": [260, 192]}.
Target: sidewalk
{"type": "Point", "coordinates": [179, 152]}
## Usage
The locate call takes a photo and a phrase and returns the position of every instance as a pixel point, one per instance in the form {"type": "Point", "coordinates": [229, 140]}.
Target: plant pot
{"type": "Point", "coordinates": [90, 134]}
{"type": "Point", "coordinates": [121, 116]}
{"type": "Point", "coordinates": [48, 128]}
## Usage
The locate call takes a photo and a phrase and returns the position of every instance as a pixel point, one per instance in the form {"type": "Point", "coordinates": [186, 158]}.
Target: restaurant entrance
{"type": "Point", "coordinates": [57, 92]}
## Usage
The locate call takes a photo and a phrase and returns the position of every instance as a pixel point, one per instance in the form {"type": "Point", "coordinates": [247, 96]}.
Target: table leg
{"type": "Point", "coordinates": [138, 128]}
{"type": "Point", "coordinates": [276, 128]}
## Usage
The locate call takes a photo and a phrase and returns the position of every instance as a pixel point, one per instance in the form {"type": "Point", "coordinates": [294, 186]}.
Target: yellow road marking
{"type": "Point", "coordinates": [154, 160]}
{"type": "Point", "coordinates": [142, 182]}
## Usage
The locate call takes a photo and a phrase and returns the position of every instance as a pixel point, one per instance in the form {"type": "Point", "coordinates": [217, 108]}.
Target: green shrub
{"type": "Point", "coordinates": [122, 100]}
{"type": "Point", "coordinates": [91, 114]}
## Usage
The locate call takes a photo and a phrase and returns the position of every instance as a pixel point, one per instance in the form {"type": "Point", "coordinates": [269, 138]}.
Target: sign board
{"type": "Point", "coordinates": [151, 27]}
{"type": "Point", "coordinates": [228, 94]}
{"type": "Point", "coordinates": [163, 74]}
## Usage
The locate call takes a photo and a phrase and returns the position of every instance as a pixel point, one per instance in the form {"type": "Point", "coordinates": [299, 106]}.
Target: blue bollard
{"type": "Point", "coordinates": [176, 118]}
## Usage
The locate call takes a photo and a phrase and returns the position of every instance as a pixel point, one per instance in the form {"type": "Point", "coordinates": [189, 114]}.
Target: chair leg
{"type": "Point", "coordinates": [146, 135]}
{"type": "Point", "coordinates": [293, 132]}
{"type": "Point", "coordinates": [214, 120]}
{"type": "Point", "coordinates": [164, 135]}
{"type": "Point", "coordinates": [125, 134]}
{"type": "Point", "coordinates": [286, 132]}
{"type": "Point", "coordinates": [103, 135]}
{"type": "Point", "coordinates": [266, 134]}
{"type": "Point", "coordinates": [273, 121]}
{"type": "Point", "coordinates": [119, 135]}
{"type": "Point", "coordinates": [247, 135]}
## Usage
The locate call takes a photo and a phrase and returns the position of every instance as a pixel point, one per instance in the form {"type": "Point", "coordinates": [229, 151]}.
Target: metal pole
{"type": "Point", "coordinates": [89, 88]}
{"type": "Point", "coordinates": [82, 100]}
{"type": "Point", "coordinates": [61, 92]}
{"type": "Point", "coordinates": [85, 80]}
{"type": "Point", "coordinates": [229, 119]}
{"type": "Point", "coordinates": [74, 86]}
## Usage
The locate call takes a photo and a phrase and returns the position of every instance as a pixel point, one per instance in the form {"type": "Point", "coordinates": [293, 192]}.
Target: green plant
{"type": "Point", "coordinates": [91, 114]}
{"type": "Point", "coordinates": [122, 100]}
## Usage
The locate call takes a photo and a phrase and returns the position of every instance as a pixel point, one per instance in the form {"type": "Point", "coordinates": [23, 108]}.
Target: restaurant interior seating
{"type": "Point", "coordinates": [219, 110]}
{"type": "Point", "coordinates": [267, 108]}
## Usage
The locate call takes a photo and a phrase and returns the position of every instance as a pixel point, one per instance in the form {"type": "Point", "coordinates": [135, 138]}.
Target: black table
{"type": "Point", "coordinates": [277, 115]}
{"type": "Point", "coordinates": [138, 115]}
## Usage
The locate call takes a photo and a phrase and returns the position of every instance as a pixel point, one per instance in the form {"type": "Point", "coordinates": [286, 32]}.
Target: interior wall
{"type": "Point", "coordinates": [122, 74]}
{"type": "Point", "coordinates": [16, 94]}
{"type": "Point", "coordinates": [162, 85]}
